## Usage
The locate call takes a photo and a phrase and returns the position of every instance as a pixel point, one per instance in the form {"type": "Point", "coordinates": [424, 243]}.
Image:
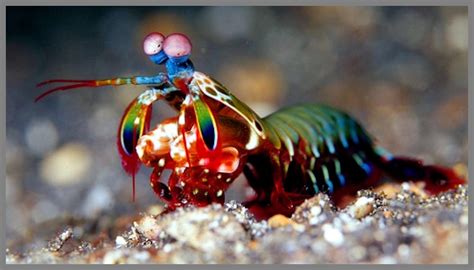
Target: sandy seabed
{"type": "Point", "coordinates": [390, 225]}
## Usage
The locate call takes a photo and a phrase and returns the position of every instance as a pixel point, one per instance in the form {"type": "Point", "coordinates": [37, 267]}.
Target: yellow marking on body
{"type": "Point", "coordinates": [337, 164]}
{"type": "Point", "coordinates": [313, 179]}
{"type": "Point", "coordinates": [326, 178]}
{"type": "Point", "coordinates": [312, 162]}
{"type": "Point", "coordinates": [289, 146]}
{"type": "Point", "coordinates": [325, 172]}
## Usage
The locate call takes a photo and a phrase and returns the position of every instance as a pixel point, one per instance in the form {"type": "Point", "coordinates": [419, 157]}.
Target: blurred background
{"type": "Point", "coordinates": [402, 72]}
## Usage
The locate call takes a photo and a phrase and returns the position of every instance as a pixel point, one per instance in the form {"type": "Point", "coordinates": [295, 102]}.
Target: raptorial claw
{"type": "Point", "coordinates": [135, 122]}
{"type": "Point", "coordinates": [206, 123]}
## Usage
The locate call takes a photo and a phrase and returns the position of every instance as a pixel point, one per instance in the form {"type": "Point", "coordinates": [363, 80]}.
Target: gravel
{"type": "Point", "coordinates": [406, 226]}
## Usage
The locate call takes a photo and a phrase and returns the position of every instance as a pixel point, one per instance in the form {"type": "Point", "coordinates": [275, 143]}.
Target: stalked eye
{"type": "Point", "coordinates": [177, 45]}
{"type": "Point", "coordinates": [153, 43]}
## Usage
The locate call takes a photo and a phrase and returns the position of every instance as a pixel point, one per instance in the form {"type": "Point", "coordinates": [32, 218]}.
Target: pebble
{"type": "Point", "coordinates": [120, 241]}
{"type": "Point", "coordinates": [333, 235]}
{"type": "Point", "coordinates": [147, 227]}
{"type": "Point", "coordinates": [362, 207]}
{"type": "Point", "coordinates": [280, 221]}
{"type": "Point", "coordinates": [114, 257]}
{"type": "Point", "coordinates": [57, 243]}
{"type": "Point", "coordinates": [155, 209]}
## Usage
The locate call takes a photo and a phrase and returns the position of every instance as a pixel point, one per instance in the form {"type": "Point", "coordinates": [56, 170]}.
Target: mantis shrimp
{"type": "Point", "coordinates": [286, 157]}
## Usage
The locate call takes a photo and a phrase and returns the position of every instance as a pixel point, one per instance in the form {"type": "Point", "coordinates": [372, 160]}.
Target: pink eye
{"type": "Point", "coordinates": [153, 43]}
{"type": "Point", "coordinates": [176, 45]}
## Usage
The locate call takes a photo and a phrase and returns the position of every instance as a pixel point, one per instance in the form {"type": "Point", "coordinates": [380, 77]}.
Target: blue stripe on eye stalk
{"type": "Point", "coordinates": [159, 79]}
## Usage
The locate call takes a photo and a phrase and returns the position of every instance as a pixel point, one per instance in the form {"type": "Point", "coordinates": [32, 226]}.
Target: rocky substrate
{"type": "Point", "coordinates": [393, 224]}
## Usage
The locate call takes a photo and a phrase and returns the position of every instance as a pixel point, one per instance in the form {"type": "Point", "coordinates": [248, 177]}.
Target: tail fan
{"type": "Point", "coordinates": [436, 178]}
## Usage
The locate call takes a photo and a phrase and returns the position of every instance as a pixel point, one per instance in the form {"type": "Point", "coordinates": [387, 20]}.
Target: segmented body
{"type": "Point", "coordinates": [287, 156]}
{"type": "Point", "coordinates": [293, 154]}
{"type": "Point", "coordinates": [321, 147]}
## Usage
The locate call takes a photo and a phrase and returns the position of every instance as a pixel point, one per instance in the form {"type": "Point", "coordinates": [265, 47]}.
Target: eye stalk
{"type": "Point", "coordinates": [177, 47]}
{"type": "Point", "coordinates": [153, 43]}
{"type": "Point", "coordinates": [153, 47]}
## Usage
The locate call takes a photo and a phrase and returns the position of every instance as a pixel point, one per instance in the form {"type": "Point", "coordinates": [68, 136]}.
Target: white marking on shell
{"type": "Point", "coordinates": [222, 97]}
{"type": "Point", "coordinates": [253, 141]}
{"type": "Point", "coordinates": [161, 162]}
{"type": "Point", "coordinates": [169, 129]}
{"type": "Point", "coordinates": [136, 121]}
{"type": "Point", "coordinates": [187, 100]}
{"type": "Point", "coordinates": [148, 97]}
{"type": "Point", "coordinates": [181, 119]}
{"type": "Point", "coordinates": [177, 151]}
{"type": "Point", "coordinates": [140, 148]}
